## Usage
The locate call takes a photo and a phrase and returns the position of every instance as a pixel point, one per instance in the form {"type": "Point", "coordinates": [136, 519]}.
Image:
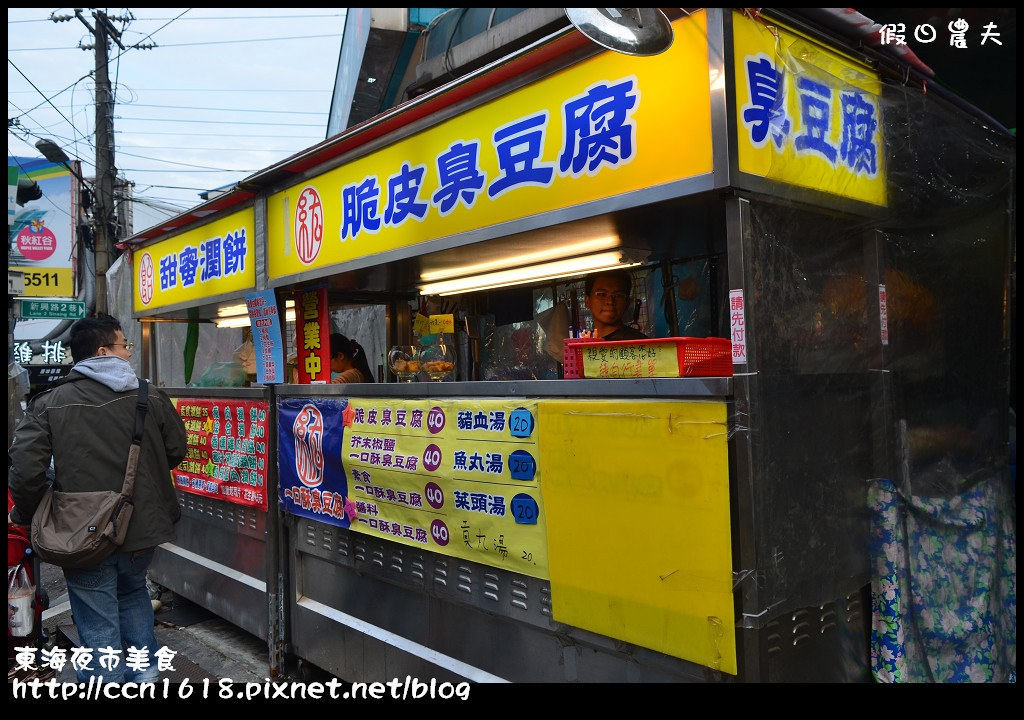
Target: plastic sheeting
{"type": "Point", "coordinates": [878, 348]}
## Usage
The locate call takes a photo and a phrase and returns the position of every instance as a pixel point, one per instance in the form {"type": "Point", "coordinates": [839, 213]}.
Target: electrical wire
{"type": "Point", "coordinates": [21, 123]}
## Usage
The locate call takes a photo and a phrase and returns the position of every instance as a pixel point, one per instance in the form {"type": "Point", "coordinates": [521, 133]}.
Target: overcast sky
{"type": "Point", "coordinates": [224, 93]}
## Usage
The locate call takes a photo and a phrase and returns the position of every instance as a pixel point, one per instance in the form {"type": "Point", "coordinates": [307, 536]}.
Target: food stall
{"type": "Point", "coordinates": [846, 234]}
{"type": "Point", "coordinates": [220, 559]}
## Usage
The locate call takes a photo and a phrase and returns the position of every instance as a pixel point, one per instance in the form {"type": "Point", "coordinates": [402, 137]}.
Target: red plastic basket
{"type": "Point", "coordinates": [572, 357]}
{"type": "Point", "coordinates": [697, 357]}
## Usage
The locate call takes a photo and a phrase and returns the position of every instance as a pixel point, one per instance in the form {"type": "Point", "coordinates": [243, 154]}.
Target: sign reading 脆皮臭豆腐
{"type": "Point", "coordinates": [590, 132]}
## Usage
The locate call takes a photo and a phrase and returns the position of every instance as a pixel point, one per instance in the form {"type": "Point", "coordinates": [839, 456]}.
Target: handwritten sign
{"type": "Point", "coordinates": [442, 323]}
{"type": "Point", "coordinates": [657, 357]}
{"type": "Point", "coordinates": [631, 360]}
{"type": "Point", "coordinates": [421, 325]}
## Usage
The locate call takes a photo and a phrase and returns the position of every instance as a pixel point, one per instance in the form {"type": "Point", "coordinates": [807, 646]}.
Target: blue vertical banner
{"type": "Point", "coordinates": [266, 334]}
{"type": "Point", "coordinates": [311, 435]}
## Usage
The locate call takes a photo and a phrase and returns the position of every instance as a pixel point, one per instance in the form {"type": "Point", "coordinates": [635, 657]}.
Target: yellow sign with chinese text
{"type": "Point", "coordinates": [640, 360]}
{"type": "Point", "coordinates": [606, 126]}
{"type": "Point", "coordinates": [420, 325]}
{"type": "Point", "coordinates": [459, 477]}
{"type": "Point", "coordinates": [215, 259]}
{"type": "Point", "coordinates": [805, 115]}
{"type": "Point", "coordinates": [442, 324]}
{"type": "Point", "coordinates": [47, 282]}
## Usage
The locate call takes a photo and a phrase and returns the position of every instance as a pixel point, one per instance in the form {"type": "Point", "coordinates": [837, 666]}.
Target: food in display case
{"type": "Point", "coordinates": [404, 362]}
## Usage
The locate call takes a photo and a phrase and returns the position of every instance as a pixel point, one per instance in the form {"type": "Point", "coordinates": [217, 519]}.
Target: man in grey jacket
{"type": "Point", "coordinates": [85, 425]}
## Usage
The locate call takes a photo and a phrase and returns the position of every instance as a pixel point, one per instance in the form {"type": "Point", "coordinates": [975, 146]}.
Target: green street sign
{"type": "Point", "coordinates": [55, 309]}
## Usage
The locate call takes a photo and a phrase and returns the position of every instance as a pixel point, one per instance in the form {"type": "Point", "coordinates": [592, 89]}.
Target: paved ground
{"type": "Point", "coordinates": [206, 646]}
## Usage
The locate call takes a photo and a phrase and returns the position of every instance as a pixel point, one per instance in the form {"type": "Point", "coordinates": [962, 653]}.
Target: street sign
{"type": "Point", "coordinates": [42, 375]}
{"type": "Point", "coordinates": [58, 309]}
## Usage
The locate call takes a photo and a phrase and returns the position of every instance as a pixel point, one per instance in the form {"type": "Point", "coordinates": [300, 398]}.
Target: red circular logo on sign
{"type": "Point", "coordinates": [37, 244]}
{"type": "Point", "coordinates": [309, 225]}
{"type": "Point", "coordinates": [147, 278]}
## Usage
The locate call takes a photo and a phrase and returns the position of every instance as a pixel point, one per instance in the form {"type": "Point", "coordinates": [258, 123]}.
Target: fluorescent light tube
{"type": "Point", "coordinates": [235, 321]}
{"type": "Point", "coordinates": [530, 273]}
{"type": "Point", "coordinates": [243, 320]}
{"type": "Point", "coordinates": [232, 310]}
{"type": "Point", "coordinates": [582, 248]}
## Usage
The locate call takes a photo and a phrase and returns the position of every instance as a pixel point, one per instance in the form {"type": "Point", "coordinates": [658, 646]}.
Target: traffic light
{"type": "Point", "coordinates": [28, 190]}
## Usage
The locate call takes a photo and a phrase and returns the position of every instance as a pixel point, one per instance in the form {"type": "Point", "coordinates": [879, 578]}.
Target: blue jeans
{"type": "Point", "coordinates": [111, 607]}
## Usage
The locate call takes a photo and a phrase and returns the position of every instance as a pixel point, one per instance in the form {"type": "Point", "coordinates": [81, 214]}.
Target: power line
{"type": "Point", "coordinates": [200, 44]}
{"type": "Point", "coordinates": [274, 91]}
{"type": "Point", "coordinates": [46, 100]}
{"type": "Point", "coordinates": [234, 135]}
{"type": "Point", "coordinates": [200, 148]}
{"type": "Point", "coordinates": [179, 18]}
{"type": "Point", "coordinates": [214, 122]}
{"type": "Point", "coordinates": [191, 169]}
{"type": "Point", "coordinates": [193, 124]}
{"type": "Point", "coordinates": [235, 90]}
{"type": "Point", "coordinates": [232, 110]}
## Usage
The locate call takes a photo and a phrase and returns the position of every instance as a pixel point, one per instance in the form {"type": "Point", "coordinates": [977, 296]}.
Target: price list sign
{"type": "Point", "coordinates": [457, 477]}
{"type": "Point", "coordinates": [227, 450]}
{"type": "Point", "coordinates": [266, 331]}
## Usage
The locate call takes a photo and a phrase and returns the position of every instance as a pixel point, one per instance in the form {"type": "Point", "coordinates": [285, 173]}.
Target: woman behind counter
{"type": "Point", "coordinates": [348, 360]}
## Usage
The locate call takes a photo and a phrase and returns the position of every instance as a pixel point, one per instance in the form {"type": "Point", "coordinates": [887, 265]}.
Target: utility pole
{"type": "Point", "coordinates": [106, 170]}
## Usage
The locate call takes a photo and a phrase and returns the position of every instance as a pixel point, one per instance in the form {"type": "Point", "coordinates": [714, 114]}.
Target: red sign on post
{"type": "Point", "coordinates": [36, 241]}
{"type": "Point", "coordinates": [312, 336]}
{"type": "Point", "coordinates": [227, 450]}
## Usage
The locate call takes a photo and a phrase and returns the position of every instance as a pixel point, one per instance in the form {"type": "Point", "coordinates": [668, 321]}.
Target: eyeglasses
{"type": "Point", "coordinates": [616, 296]}
{"type": "Point", "coordinates": [126, 345]}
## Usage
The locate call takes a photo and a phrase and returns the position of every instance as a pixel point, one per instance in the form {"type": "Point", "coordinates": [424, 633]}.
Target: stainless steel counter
{"type": "Point", "coordinates": [696, 388]}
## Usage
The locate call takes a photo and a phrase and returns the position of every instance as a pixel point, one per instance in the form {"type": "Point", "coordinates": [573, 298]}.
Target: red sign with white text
{"type": "Point", "coordinates": [37, 242]}
{"type": "Point", "coordinates": [227, 450]}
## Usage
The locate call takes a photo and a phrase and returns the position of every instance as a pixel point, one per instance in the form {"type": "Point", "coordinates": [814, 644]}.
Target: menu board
{"type": "Point", "coordinates": [266, 331]}
{"type": "Point", "coordinates": [227, 449]}
{"type": "Point", "coordinates": [458, 477]}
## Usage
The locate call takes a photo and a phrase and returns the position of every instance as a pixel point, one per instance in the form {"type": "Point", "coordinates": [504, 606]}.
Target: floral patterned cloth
{"type": "Point", "coordinates": [944, 586]}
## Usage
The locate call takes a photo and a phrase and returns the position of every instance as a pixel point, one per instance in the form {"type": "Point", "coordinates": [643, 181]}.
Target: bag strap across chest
{"type": "Point", "coordinates": [141, 405]}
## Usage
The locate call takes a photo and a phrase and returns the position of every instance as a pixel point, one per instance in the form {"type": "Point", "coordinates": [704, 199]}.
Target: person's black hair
{"type": "Point", "coordinates": [353, 351]}
{"type": "Point", "coordinates": [623, 275]}
{"type": "Point", "coordinates": [89, 334]}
